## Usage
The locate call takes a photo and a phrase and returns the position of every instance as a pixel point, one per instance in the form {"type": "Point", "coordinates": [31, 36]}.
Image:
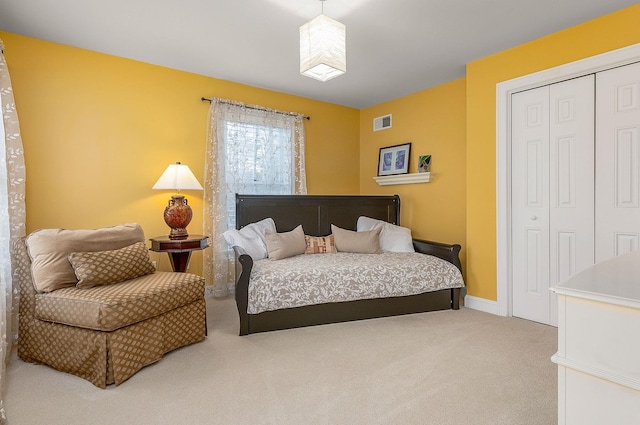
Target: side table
{"type": "Point", "coordinates": [179, 250]}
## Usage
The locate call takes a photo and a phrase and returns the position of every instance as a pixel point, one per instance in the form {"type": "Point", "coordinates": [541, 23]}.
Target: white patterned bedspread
{"type": "Point", "coordinates": [324, 278]}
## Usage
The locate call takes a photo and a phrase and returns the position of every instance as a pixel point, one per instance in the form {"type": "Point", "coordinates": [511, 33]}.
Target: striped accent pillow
{"type": "Point", "coordinates": [320, 245]}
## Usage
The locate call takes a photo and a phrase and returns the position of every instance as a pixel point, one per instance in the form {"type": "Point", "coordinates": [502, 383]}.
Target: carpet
{"type": "Point", "coordinates": [440, 368]}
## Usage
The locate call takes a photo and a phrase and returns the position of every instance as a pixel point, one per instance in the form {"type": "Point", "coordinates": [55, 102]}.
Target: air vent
{"type": "Point", "coordinates": [382, 123]}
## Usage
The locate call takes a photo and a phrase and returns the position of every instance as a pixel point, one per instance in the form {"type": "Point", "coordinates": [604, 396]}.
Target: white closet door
{"type": "Point", "coordinates": [552, 192]}
{"type": "Point", "coordinates": [618, 162]}
{"type": "Point", "coordinates": [530, 204]}
{"type": "Point", "coordinates": [571, 182]}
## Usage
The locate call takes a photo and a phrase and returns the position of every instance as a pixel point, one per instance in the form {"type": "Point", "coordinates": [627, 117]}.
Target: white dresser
{"type": "Point", "coordinates": [598, 354]}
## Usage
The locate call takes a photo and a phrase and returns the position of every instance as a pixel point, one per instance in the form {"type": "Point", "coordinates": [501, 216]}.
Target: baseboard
{"type": "Point", "coordinates": [481, 304]}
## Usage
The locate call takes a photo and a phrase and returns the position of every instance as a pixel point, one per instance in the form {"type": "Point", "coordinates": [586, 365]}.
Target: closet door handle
{"type": "Point", "coordinates": [533, 217]}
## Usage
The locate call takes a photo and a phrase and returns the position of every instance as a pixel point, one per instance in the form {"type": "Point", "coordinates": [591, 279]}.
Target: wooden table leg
{"type": "Point", "coordinates": [179, 260]}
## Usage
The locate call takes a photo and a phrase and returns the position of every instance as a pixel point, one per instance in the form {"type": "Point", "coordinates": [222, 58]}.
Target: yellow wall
{"type": "Point", "coordinates": [606, 33]}
{"type": "Point", "coordinates": [433, 121]}
{"type": "Point", "coordinates": [98, 131]}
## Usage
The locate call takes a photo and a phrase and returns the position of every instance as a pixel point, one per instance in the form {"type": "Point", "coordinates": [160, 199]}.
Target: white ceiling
{"type": "Point", "coordinates": [394, 47]}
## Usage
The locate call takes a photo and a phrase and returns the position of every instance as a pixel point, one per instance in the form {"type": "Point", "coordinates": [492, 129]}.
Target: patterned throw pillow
{"type": "Point", "coordinates": [49, 250]}
{"type": "Point", "coordinates": [107, 267]}
{"type": "Point", "coordinates": [320, 245]}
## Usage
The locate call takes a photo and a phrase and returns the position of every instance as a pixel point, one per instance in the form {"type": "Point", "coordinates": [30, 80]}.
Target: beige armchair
{"type": "Point", "coordinates": [92, 304]}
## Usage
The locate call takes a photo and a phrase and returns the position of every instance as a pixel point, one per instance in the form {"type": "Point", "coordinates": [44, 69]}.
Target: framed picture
{"type": "Point", "coordinates": [394, 160]}
{"type": "Point", "coordinates": [424, 164]}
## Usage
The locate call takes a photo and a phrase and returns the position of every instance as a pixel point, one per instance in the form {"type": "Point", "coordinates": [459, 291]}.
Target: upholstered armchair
{"type": "Point", "coordinates": [92, 304]}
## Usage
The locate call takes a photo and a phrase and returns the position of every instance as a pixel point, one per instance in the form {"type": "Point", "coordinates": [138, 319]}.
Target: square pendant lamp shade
{"type": "Point", "coordinates": [323, 53]}
{"type": "Point", "coordinates": [178, 213]}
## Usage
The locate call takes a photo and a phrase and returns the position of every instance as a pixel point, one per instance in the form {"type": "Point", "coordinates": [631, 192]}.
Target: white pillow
{"type": "Point", "coordinates": [392, 238]}
{"type": "Point", "coordinates": [251, 238]}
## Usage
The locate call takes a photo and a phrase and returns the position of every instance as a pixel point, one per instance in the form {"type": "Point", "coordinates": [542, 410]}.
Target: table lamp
{"type": "Point", "coordinates": [178, 213]}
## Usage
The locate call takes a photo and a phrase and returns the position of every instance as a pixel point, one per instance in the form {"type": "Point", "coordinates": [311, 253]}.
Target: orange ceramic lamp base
{"type": "Point", "coordinates": [178, 215]}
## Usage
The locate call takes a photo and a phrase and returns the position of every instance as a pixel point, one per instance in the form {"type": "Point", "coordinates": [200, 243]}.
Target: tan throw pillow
{"type": "Point", "coordinates": [320, 245]}
{"type": "Point", "coordinates": [107, 267]}
{"type": "Point", "coordinates": [358, 242]}
{"type": "Point", "coordinates": [49, 249]}
{"type": "Point", "coordinates": [285, 245]}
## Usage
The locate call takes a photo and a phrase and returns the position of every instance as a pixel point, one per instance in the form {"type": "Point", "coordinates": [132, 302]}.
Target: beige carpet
{"type": "Point", "coordinates": [450, 367]}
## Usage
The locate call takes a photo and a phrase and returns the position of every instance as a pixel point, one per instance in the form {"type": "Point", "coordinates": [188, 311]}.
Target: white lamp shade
{"type": "Point", "coordinates": [178, 177]}
{"type": "Point", "coordinates": [323, 53]}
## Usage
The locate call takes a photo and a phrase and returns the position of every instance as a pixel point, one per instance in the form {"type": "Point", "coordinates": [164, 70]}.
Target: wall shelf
{"type": "Point", "coordinates": [403, 179]}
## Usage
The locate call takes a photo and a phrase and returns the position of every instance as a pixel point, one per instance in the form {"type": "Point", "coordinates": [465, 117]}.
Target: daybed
{"type": "Point", "coordinates": [316, 215]}
{"type": "Point", "coordinates": [92, 304]}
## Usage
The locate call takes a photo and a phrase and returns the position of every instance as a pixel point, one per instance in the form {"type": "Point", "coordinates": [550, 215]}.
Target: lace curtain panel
{"type": "Point", "coordinates": [12, 218]}
{"type": "Point", "coordinates": [250, 150]}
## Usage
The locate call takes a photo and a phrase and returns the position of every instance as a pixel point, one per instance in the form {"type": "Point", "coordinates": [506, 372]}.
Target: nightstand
{"type": "Point", "coordinates": [179, 250]}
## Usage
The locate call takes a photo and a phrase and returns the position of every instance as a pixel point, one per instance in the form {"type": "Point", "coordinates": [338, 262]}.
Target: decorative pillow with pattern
{"type": "Point", "coordinates": [108, 267]}
{"type": "Point", "coordinates": [320, 245]}
{"type": "Point", "coordinates": [49, 250]}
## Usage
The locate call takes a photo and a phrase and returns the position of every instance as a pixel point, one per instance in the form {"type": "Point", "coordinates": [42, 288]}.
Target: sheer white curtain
{"type": "Point", "coordinates": [12, 217]}
{"type": "Point", "coordinates": [250, 150]}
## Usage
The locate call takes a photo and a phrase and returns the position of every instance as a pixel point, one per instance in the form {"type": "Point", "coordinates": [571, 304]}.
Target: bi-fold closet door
{"type": "Point", "coordinates": [617, 162]}
{"type": "Point", "coordinates": [575, 182]}
{"type": "Point", "coordinates": [552, 192]}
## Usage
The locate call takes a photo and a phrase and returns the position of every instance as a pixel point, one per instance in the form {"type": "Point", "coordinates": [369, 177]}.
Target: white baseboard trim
{"type": "Point", "coordinates": [481, 304]}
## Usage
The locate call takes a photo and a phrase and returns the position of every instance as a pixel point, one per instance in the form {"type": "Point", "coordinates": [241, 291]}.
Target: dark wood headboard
{"type": "Point", "coordinates": [316, 213]}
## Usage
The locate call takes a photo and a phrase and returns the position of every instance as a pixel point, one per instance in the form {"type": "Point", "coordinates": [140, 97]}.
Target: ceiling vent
{"type": "Point", "coordinates": [382, 123]}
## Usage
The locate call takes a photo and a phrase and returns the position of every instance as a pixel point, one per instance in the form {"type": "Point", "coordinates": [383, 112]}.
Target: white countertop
{"type": "Point", "coordinates": [614, 281]}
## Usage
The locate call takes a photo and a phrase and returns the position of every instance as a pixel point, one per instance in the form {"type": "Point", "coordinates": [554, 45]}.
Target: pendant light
{"type": "Point", "coordinates": [323, 53]}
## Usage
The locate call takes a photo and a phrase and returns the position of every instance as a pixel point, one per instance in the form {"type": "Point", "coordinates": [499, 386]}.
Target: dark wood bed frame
{"type": "Point", "coordinates": [316, 213]}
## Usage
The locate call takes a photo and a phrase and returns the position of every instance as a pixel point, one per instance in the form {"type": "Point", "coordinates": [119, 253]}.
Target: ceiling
{"type": "Point", "coordinates": [394, 47]}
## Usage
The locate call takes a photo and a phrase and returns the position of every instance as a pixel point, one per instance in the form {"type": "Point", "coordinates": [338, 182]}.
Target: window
{"type": "Point", "coordinates": [258, 161]}
{"type": "Point", "coordinates": [252, 151]}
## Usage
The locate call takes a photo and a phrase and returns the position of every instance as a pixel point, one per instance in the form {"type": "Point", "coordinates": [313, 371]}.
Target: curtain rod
{"type": "Point", "coordinates": [206, 99]}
